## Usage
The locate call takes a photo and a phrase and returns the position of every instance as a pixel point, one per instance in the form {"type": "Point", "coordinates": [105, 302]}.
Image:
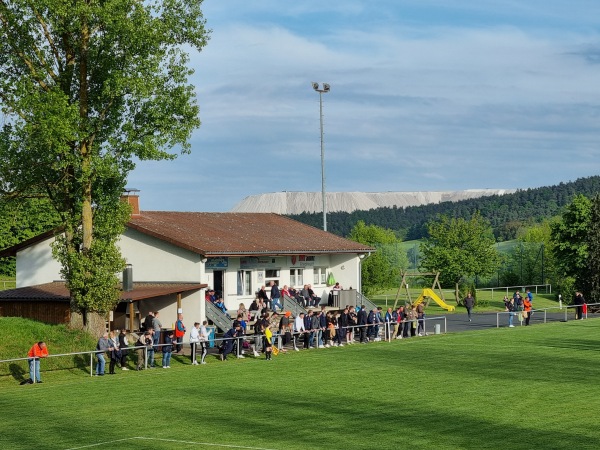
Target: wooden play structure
{"type": "Point", "coordinates": [427, 293]}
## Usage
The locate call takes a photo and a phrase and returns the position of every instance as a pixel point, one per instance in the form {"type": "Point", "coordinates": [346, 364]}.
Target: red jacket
{"type": "Point", "coordinates": [37, 352]}
{"type": "Point", "coordinates": [179, 329]}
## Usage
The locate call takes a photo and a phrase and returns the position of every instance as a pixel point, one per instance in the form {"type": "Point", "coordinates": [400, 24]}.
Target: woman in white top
{"type": "Point", "coordinates": [203, 341]}
{"type": "Point", "coordinates": [194, 339]}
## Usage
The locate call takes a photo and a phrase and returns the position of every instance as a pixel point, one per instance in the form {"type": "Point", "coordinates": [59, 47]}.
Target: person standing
{"type": "Point", "coordinates": [148, 321]}
{"type": "Point", "coordinates": [511, 308]}
{"type": "Point", "coordinates": [143, 344]}
{"type": "Point", "coordinates": [123, 345]}
{"type": "Point", "coordinates": [166, 351]}
{"type": "Point", "coordinates": [102, 346]}
{"type": "Point", "coordinates": [275, 297]}
{"type": "Point", "coordinates": [352, 321]}
{"type": "Point", "coordinates": [390, 322]}
{"type": "Point", "coordinates": [228, 339]}
{"type": "Point", "coordinates": [204, 338]}
{"type": "Point", "coordinates": [115, 353]}
{"type": "Point", "coordinates": [179, 332]}
{"type": "Point", "coordinates": [579, 301]}
{"type": "Point", "coordinates": [37, 351]}
{"type": "Point", "coordinates": [298, 328]}
{"type": "Point", "coordinates": [527, 310]}
{"type": "Point", "coordinates": [362, 324]}
{"type": "Point", "coordinates": [194, 339]}
{"type": "Point", "coordinates": [469, 302]}
{"type": "Point", "coordinates": [156, 326]}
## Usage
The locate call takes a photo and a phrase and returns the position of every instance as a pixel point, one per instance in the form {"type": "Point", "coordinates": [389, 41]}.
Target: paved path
{"type": "Point", "coordinates": [479, 321]}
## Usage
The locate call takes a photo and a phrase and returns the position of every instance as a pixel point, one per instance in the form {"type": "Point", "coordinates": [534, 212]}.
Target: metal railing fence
{"type": "Point", "coordinates": [511, 289]}
{"type": "Point", "coordinates": [545, 311]}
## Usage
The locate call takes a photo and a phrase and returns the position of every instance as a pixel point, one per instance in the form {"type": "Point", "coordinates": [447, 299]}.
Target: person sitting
{"type": "Point", "coordinates": [243, 311]}
{"type": "Point", "coordinates": [262, 295]}
{"type": "Point", "coordinates": [219, 304]}
{"type": "Point", "coordinates": [254, 310]}
{"type": "Point", "coordinates": [285, 292]}
{"type": "Point", "coordinates": [314, 300]}
{"type": "Point", "coordinates": [305, 295]}
{"type": "Point", "coordinates": [211, 296]}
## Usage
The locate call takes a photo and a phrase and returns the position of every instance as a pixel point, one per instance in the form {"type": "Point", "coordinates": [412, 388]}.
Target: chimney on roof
{"type": "Point", "coordinates": [131, 196]}
{"type": "Point", "coordinates": [128, 278]}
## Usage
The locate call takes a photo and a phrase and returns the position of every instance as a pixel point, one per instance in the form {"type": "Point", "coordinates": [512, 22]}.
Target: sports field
{"type": "Point", "coordinates": [527, 387]}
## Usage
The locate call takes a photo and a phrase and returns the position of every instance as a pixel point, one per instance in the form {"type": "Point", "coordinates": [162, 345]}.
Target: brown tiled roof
{"type": "Point", "coordinates": [237, 234]}
{"type": "Point", "coordinates": [57, 291]}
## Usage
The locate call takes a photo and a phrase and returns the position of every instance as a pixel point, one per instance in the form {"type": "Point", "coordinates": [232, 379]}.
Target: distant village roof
{"type": "Point", "coordinates": [57, 291]}
{"type": "Point", "coordinates": [298, 202]}
{"type": "Point", "coordinates": [239, 234]}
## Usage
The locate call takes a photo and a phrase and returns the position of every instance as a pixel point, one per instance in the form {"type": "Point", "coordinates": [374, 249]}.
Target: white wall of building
{"type": "Point", "coordinates": [35, 265]}
{"type": "Point", "coordinates": [156, 260]}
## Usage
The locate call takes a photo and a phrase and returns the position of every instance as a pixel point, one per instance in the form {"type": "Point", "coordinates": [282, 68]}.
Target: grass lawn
{"type": "Point", "coordinates": [527, 387]}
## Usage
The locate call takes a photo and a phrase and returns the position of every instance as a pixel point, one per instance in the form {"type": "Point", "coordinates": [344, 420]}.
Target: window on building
{"type": "Point", "coordinates": [244, 282]}
{"type": "Point", "coordinates": [319, 275]}
{"type": "Point", "coordinates": [272, 275]}
{"type": "Point", "coordinates": [296, 277]}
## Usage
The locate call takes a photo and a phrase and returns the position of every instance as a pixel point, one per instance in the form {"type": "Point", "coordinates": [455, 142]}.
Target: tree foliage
{"type": "Point", "coordinates": [570, 239]}
{"type": "Point", "coordinates": [593, 244]}
{"type": "Point", "coordinates": [21, 220]}
{"type": "Point", "coordinates": [531, 261]}
{"type": "Point", "coordinates": [459, 248]}
{"type": "Point", "coordinates": [86, 87]}
{"type": "Point", "coordinates": [382, 268]}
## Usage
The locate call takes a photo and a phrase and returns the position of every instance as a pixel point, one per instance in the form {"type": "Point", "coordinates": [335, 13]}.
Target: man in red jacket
{"type": "Point", "coordinates": [39, 350]}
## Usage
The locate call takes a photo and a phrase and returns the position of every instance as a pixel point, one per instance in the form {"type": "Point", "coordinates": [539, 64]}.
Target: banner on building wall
{"type": "Point", "coordinates": [255, 262]}
{"type": "Point", "coordinates": [221, 262]}
{"type": "Point", "coordinates": [302, 261]}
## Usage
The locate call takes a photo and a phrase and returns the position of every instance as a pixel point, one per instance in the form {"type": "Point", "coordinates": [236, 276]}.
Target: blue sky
{"type": "Point", "coordinates": [425, 95]}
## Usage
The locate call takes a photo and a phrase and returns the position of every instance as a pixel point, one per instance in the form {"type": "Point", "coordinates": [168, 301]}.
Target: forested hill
{"type": "Point", "coordinates": [507, 213]}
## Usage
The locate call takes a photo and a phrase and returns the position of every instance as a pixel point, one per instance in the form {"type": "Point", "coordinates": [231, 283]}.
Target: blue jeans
{"type": "Point", "coordinates": [311, 339]}
{"type": "Point", "coordinates": [511, 315]}
{"type": "Point", "coordinates": [151, 356]}
{"type": "Point", "coordinates": [34, 366]}
{"type": "Point", "coordinates": [276, 303]}
{"type": "Point", "coordinates": [320, 337]}
{"type": "Point", "coordinates": [101, 364]}
{"type": "Point", "coordinates": [156, 339]}
{"type": "Point", "coordinates": [166, 360]}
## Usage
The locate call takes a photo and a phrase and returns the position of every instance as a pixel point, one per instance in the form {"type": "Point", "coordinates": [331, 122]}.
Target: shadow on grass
{"type": "Point", "coordinates": [18, 373]}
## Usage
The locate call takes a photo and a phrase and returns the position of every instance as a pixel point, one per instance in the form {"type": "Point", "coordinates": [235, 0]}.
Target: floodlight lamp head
{"type": "Point", "coordinates": [315, 86]}
{"type": "Point", "coordinates": [326, 87]}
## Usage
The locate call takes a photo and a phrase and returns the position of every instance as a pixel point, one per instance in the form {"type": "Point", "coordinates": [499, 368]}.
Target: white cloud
{"type": "Point", "coordinates": [464, 102]}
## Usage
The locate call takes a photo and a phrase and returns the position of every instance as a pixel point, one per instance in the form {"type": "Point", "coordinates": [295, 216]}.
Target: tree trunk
{"type": "Point", "coordinates": [456, 293]}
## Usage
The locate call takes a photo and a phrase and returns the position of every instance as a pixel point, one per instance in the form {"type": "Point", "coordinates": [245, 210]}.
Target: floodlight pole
{"type": "Point", "coordinates": [322, 90]}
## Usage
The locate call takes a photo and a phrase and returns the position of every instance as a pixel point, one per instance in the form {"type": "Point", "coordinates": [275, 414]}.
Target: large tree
{"type": "Point", "coordinates": [381, 269]}
{"type": "Point", "coordinates": [570, 240]}
{"type": "Point", "coordinates": [457, 248]}
{"type": "Point", "coordinates": [87, 86]}
{"type": "Point", "coordinates": [593, 243]}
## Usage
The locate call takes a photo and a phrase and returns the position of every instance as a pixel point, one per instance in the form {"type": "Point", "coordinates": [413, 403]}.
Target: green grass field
{"type": "Point", "coordinates": [527, 387]}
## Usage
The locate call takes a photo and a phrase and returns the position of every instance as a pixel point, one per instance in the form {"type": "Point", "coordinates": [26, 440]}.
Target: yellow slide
{"type": "Point", "coordinates": [429, 293]}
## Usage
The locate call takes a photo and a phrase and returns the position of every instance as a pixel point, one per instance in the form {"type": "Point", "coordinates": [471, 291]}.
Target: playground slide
{"type": "Point", "coordinates": [429, 293]}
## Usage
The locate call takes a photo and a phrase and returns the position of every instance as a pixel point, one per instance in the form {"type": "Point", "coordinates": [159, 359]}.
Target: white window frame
{"type": "Point", "coordinates": [272, 275]}
{"type": "Point", "coordinates": [244, 282]}
{"type": "Point", "coordinates": [320, 276]}
{"type": "Point", "coordinates": [296, 277]}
